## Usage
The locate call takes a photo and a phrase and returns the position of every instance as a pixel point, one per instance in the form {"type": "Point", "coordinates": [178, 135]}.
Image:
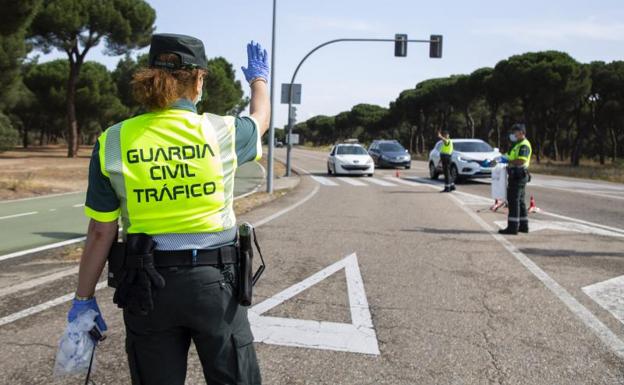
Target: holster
{"type": "Point", "coordinates": [116, 260]}
{"type": "Point", "coordinates": [247, 278]}
{"type": "Point", "coordinates": [517, 173]}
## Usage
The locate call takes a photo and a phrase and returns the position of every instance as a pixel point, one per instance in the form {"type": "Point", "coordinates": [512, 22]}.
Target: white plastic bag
{"type": "Point", "coordinates": [499, 182]}
{"type": "Point", "coordinates": [76, 346]}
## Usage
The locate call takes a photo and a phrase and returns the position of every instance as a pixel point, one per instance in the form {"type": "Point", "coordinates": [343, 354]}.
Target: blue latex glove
{"type": "Point", "coordinates": [503, 159]}
{"type": "Point", "coordinates": [258, 63]}
{"type": "Point", "coordinates": [79, 306]}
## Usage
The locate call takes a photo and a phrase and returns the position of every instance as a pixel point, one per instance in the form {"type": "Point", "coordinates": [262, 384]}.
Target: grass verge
{"type": "Point", "coordinates": [609, 172]}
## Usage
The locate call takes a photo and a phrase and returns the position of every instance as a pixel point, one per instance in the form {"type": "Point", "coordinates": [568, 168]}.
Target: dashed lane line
{"type": "Point", "coordinates": [19, 215]}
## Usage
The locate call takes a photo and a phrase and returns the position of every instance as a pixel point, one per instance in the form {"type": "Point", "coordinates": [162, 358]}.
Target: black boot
{"type": "Point", "coordinates": [452, 187]}
{"type": "Point", "coordinates": [524, 227]}
{"type": "Point", "coordinates": [446, 189]}
{"type": "Point", "coordinates": [509, 231]}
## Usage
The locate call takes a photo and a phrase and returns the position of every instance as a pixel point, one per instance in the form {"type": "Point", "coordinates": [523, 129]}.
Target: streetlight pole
{"type": "Point", "coordinates": [434, 40]}
{"type": "Point", "coordinates": [269, 181]}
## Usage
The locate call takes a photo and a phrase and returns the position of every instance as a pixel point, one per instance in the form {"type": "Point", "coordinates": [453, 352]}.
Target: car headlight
{"type": "Point", "coordinates": [369, 160]}
{"type": "Point", "coordinates": [459, 158]}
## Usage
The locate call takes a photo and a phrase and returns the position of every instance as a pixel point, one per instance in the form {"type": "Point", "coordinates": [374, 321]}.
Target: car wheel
{"type": "Point", "coordinates": [408, 166]}
{"type": "Point", "coordinates": [329, 171]}
{"type": "Point", "coordinates": [433, 173]}
{"type": "Point", "coordinates": [455, 174]}
{"type": "Point", "coordinates": [370, 175]}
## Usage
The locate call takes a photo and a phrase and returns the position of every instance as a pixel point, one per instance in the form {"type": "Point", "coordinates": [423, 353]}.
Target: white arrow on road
{"type": "Point", "coordinates": [610, 295]}
{"type": "Point", "coordinates": [358, 337]}
{"type": "Point", "coordinates": [538, 225]}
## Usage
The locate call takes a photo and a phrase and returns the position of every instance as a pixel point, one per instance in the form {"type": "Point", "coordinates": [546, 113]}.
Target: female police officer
{"type": "Point", "coordinates": [169, 175]}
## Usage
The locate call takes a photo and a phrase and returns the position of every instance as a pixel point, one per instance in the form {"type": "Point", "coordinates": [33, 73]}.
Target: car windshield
{"type": "Point", "coordinates": [472, 147]}
{"type": "Point", "coordinates": [351, 150]}
{"type": "Point", "coordinates": [391, 147]}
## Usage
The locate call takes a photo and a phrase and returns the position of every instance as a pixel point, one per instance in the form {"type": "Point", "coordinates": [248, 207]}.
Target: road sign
{"type": "Point", "coordinates": [294, 137]}
{"type": "Point", "coordinates": [296, 93]}
{"type": "Point", "coordinates": [400, 45]}
{"type": "Point", "coordinates": [358, 337]}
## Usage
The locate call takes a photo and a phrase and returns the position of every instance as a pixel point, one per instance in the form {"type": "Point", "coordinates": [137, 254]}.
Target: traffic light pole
{"type": "Point", "coordinates": [269, 176]}
{"type": "Point", "coordinates": [292, 81]}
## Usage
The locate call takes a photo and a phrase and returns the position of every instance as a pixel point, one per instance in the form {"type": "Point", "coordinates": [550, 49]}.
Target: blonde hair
{"type": "Point", "coordinates": [157, 88]}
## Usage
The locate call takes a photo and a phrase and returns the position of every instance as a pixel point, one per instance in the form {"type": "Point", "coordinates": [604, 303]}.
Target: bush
{"type": "Point", "coordinates": [9, 137]}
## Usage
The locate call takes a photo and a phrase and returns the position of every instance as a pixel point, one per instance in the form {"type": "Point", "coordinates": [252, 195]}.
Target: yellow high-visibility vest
{"type": "Point", "coordinates": [173, 171]}
{"type": "Point", "coordinates": [514, 153]}
{"type": "Point", "coordinates": [447, 147]}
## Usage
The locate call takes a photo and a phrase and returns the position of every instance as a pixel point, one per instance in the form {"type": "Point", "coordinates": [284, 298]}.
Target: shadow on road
{"type": "Point", "coordinates": [431, 230]}
{"type": "Point", "coordinates": [569, 253]}
{"type": "Point", "coordinates": [59, 234]}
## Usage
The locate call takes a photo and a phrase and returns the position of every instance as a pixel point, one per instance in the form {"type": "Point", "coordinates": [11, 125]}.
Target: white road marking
{"type": "Point", "coordinates": [380, 182]}
{"type": "Point", "coordinates": [609, 338]}
{"type": "Point", "coordinates": [351, 181]}
{"type": "Point", "coordinates": [357, 337]}
{"type": "Point", "coordinates": [617, 230]}
{"type": "Point", "coordinates": [38, 281]}
{"type": "Point", "coordinates": [57, 301]}
{"type": "Point", "coordinates": [41, 248]}
{"type": "Point", "coordinates": [43, 306]}
{"type": "Point", "coordinates": [538, 225]}
{"type": "Point", "coordinates": [52, 209]}
{"type": "Point", "coordinates": [323, 180]}
{"type": "Point", "coordinates": [79, 205]}
{"type": "Point", "coordinates": [404, 181]}
{"type": "Point", "coordinates": [41, 197]}
{"type": "Point", "coordinates": [19, 215]}
{"type": "Point", "coordinates": [610, 295]}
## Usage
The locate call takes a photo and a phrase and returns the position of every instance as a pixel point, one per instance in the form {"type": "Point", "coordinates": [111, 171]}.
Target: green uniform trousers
{"type": "Point", "coordinates": [518, 216]}
{"type": "Point", "coordinates": [197, 304]}
{"type": "Point", "coordinates": [446, 168]}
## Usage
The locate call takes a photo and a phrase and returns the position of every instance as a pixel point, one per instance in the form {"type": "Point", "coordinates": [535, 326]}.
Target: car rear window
{"type": "Point", "coordinates": [391, 147]}
{"type": "Point", "coordinates": [351, 150]}
{"type": "Point", "coordinates": [472, 147]}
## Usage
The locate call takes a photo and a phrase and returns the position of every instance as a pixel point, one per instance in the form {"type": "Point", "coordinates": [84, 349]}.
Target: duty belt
{"type": "Point", "coordinates": [195, 257]}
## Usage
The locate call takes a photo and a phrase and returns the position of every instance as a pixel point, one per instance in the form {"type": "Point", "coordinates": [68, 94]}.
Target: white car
{"type": "Point", "coordinates": [471, 158]}
{"type": "Point", "coordinates": [350, 159]}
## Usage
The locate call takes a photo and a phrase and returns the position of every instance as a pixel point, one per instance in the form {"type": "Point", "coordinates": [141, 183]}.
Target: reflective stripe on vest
{"type": "Point", "coordinates": [447, 148]}
{"type": "Point", "coordinates": [173, 171]}
{"type": "Point", "coordinates": [514, 153]}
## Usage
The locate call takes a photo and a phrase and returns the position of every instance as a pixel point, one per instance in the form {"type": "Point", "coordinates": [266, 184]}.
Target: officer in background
{"type": "Point", "coordinates": [519, 160]}
{"type": "Point", "coordinates": [446, 151]}
{"type": "Point", "coordinates": [169, 175]}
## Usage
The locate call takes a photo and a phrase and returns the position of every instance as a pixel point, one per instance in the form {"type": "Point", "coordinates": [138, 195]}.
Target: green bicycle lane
{"type": "Point", "coordinates": [40, 221]}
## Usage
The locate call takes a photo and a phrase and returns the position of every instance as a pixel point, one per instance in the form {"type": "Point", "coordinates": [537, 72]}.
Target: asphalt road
{"type": "Point", "coordinates": [386, 281]}
{"type": "Point", "coordinates": [36, 222]}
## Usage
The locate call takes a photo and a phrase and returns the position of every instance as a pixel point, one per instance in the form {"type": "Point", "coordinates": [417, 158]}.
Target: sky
{"type": "Point", "coordinates": [335, 78]}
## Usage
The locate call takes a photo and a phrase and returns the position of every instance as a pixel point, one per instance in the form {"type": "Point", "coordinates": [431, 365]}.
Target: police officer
{"type": "Point", "coordinates": [446, 151]}
{"type": "Point", "coordinates": [169, 175]}
{"type": "Point", "coordinates": [518, 159]}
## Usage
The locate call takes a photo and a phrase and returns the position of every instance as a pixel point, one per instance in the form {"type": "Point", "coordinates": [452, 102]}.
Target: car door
{"type": "Point", "coordinates": [435, 155]}
{"type": "Point", "coordinates": [330, 158]}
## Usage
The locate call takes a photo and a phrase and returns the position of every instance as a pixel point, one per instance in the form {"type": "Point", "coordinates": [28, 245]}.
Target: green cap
{"type": "Point", "coordinates": [189, 49]}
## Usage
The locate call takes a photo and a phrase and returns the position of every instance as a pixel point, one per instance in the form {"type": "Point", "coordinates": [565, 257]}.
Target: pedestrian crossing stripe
{"type": "Point", "coordinates": [324, 181]}
{"type": "Point", "coordinates": [351, 181]}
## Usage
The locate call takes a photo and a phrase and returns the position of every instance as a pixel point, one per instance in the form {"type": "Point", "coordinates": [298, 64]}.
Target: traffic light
{"type": "Point", "coordinates": [400, 45]}
{"type": "Point", "coordinates": [435, 46]}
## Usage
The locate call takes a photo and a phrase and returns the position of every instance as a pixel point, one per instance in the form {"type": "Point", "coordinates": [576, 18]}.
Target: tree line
{"type": "Point", "coordinates": [72, 100]}
{"type": "Point", "coordinates": [572, 110]}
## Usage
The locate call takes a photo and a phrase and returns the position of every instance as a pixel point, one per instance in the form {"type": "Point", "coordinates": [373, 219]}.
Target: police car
{"type": "Point", "coordinates": [350, 158]}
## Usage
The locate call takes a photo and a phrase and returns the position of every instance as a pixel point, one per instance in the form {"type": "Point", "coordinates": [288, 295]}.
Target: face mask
{"type": "Point", "coordinates": [199, 97]}
{"type": "Point", "coordinates": [513, 138]}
